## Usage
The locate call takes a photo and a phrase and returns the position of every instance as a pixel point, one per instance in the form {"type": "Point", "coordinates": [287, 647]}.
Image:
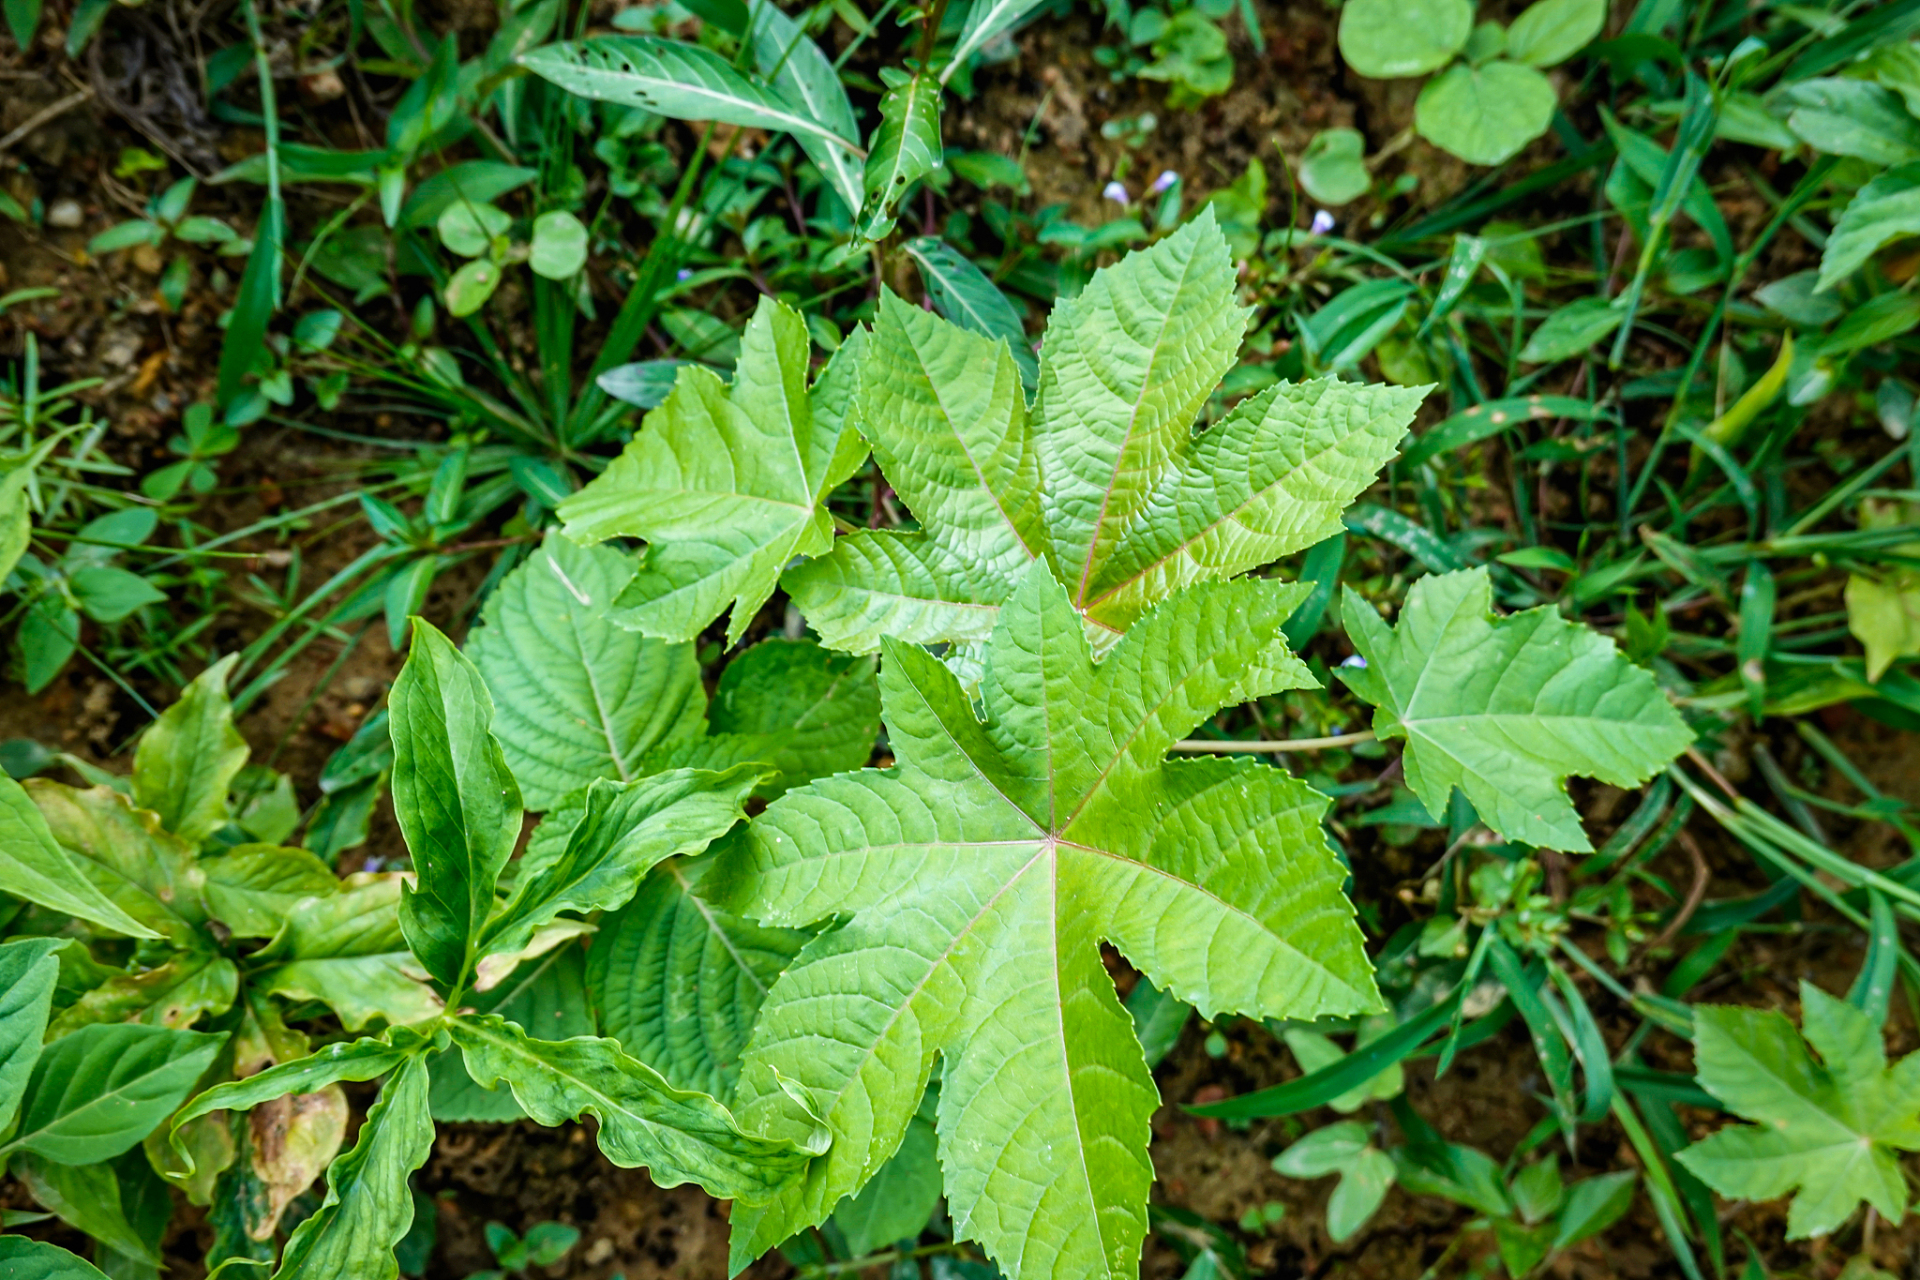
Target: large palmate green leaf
{"type": "Point", "coordinates": [99, 1091]}
{"type": "Point", "coordinates": [577, 698]}
{"type": "Point", "coordinates": [188, 758]}
{"type": "Point", "coordinates": [457, 803]}
{"type": "Point", "coordinates": [678, 1136]}
{"type": "Point", "coordinates": [678, 981]}
{"type": "Point", "coordinates": [369, 1205]}
{"type": "Point", "coordinates": [1506, 709]}
{"type": "Point", "coordinates": [727, 483]}
{"type": "Point", "coordinates": [34, 866]}
{"type": "Point", "coordinates": [977, 880]}
{"type": "Point", "coordinates": [1829, 1127]}
{"type": "Point", "coordinates": [1104, 476]}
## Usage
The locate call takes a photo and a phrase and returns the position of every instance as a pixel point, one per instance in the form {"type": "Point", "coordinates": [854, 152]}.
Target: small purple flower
{"type": "Point", "coordinates": [1118, 194]}
{"type": "Point", "coordinates": [1166, 179]}
{"type": "Point", "coordinates": [683, 274]}
{"type": "Point", "coordinates": [1354, 660]}
{"type": "Point", "coordinates": [1322, 222]}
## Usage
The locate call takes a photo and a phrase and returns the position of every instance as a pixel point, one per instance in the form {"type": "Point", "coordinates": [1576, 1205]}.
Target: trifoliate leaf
{"type": "Point", "coordinates": [727, 483]}
{"type": "Point", "coordinates": [1828, 1127]}
{"type": "Point", "coordinates": [1104, 477]}
{"type": "Point", "coordinates": [1507, 709]}
{"type": "Point", "coordinates": [976, 881]}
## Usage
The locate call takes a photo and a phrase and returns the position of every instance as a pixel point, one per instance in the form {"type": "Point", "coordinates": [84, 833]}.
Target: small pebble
{"type": "Point", "coordinates": [66, 214]}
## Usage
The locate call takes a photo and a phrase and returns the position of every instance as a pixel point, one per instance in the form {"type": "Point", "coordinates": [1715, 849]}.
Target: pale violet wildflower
{"type": "Point", "coordinates": [1354, 660]}
{"type": "Point", "coordinates": [1118, 194]}
{"type": "Point", "coordinates": [1322, 222]}
{"type": "Point", "coordinates": [1166, 179]}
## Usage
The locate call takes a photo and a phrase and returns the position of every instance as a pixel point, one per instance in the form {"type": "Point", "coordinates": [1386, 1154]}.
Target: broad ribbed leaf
{"type": "Point", "coordinates": [678, 981]}
{"type": "Point", "coordinates": [1830, 1127]}
{"type": "Point", "coordinates": [28, 970]}
{"type": "Point", "coordinates": [576, 697]}
{"type": "Point", "coordinates": [977, 880]}
{"type": "Point", "coordinates": [1104, 476]}
{"type": "Point", "coordinates": [627, 829]}
{"type": "Point", "coordinates": [804, 76]}
{"type": "Point", "coordinates": [727, 483]}
{"type": "Point", "coordinates": [148, 873]}
{"type": "Point", "coordinates": [643, 1121]}
{"type": "Point", "coordinates": [34, 866]}
{"type": "Point", "coordinates": [369, 1205]}
{"type": "Point", "coordinates": [547, 996]}
{"type": "Point", "coordinates": [905, 148]}
{"type": "Point", "coordinates": [99, 1091]}
{"type": "Point", "coordinates": [675, 79]}
{"type": "Point", "coordinates": [1506, 709]}
{"type": "Point", "coordinates": [963, 294]}
{"type": "Point", "coordinates": [347, 951]}
{"type": "Point", "coordinates": [456, 800]}
{"type": "Point", "coordinates": [188, 758]}
{"type": "Point", "coordinates": [803, 710]}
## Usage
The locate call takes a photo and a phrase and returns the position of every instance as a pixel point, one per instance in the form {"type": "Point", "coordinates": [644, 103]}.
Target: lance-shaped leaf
{"type": "Point", "coordinates": [188, 758]}
{"type": "Point", "coordinates": [1829, 1127]}
{"type": "Point", "coordinates": [347, 951]}
{"type": "Point", "coordinates": [171, 994]}
{"type": "Point", "coordinates": [147, 872]}
{"type": "Point", "coordinates": [356, 1060]}
{"type": "Point", "coordinates": [678, 1136]}
{"type": "Point", "coordinates": [34, 866]}
{"type": "Point", "coordinates": [24, 1259]}
{"type": "Point", "coordinates": [1506, 709]}
{"type": "Point", "coordinates": [547, 994]}
{"type": "Point", "coordinates": [28, 971]}
{"type": "Point", "coordinates": [675, 79]}
{"type": "Point", "coordinates": [986, 20]}
{"type": "Point", "coordinates": [627, 829]}
{"type": "Point", "coordinates": [456, 800]}
{"type": "Point", "coordinates": [977, 880]}
{"type": "Point", "coordinates": [678, 981]}
{"type": "Point", "coordinates": [727, 483]}
{"type": "Point", "coordinates": [369, 1205]}
{"type": "Point", "coordinates": [576, 697]}
{"type": "Point", "coordinates": [805, 76]}
{"type": "Point", "coordinates": [99, 1091]}
{"type": "Point", "coordinates": [1104, 476]}
{"type": "Point", "coordinates": [905, 148]}
{"type": "Point", "coordinates": [964, 294]}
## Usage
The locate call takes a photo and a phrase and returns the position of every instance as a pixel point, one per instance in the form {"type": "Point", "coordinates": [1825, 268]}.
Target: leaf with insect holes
{"type": "Point", "coordinates": [727, 483]}
{"type": "Point", "coordinates": [1829, 1127]}
{"type": "Point", "coordinates": [1103, 477]}
{"type": "Point", "coordinates": [975, 882]}
{"type": "Point", "coordinates": [905, 148]}
{"type": "Point", "coordinates": [1507, 708]}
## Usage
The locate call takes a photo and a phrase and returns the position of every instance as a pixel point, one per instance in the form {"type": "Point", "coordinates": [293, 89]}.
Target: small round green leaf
{"type": "Point", "coordinates": [1486, 114]}
{"type": "Point", "coordinates": [471, 286]}
{"type": "Point", "coordinates": [467, 229]}
{"type": "Point", "coordinates": [1387, 39]}
{"type": "Point", "coordinates": [559, 245]}
{"type": "Point", "coordinates": [1333, 169]}
{"type": "Point", "coordinates": [1488, 41]}
{"type": "Point", "coordinates": [1551, 31]}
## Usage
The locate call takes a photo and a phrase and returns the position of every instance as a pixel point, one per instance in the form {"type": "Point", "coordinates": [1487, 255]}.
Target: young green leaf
{"type": "Point", "coordinates": [369, 1205]}
{"type": "Point", "coordinates": [347, 951]}
{"type": "Point", "coordinates": [1333, 168]}
{"type": "Point", "coordinates": [559, 247]}
{"type": "Point", "coordinates": [977, 879]}
{"type": "Point", "coordinates": [1883, 605]}
{"type": "Point", "coordinates": [577, 698]}
{"type": "Point", "coordinates": [1389, 39]}
{"type": "Point", "coordinates": [1506, 709]}
{"type": "Point", "coordinates": [1829, 1127]}
{"type": "Point", "coordinates": [678, 981]}
{"type": "Point", "coordinates": [87, 1197]}
{"type": "Point", "coordinates": [34, 866]}
{"type": "Point", "coordinates": [965, 295]}
{"type": "Point", "coordinates": [1548, 32]}
{"type": "Point", "coordinates": [643, 1121]}
{"type": "Point", "coordinates": [1883, 210]}
{"type": "Point", "coordinates": [28, 970]}
{"type": "Point", "coordinates": [99, 1091]}
{"type": "Point", "coordinates": [727, 483]}
{"type": "Point", "coordinates": [1366, 1172]}
{"type": "Point", "coordinates": [905, 148]}
{"type": "Point", "coordinates": [456, 801]}
{"type": "Point", "coordinates": [1484, 114]}
{"type": "Point", "coordinates": [1104, 477]}
{"type": "Point", "coordinates": [627, 829]}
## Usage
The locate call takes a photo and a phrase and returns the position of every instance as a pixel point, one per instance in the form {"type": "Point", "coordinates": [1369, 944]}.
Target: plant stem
{"type": "Point", "coordinates": [1275, 747]}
